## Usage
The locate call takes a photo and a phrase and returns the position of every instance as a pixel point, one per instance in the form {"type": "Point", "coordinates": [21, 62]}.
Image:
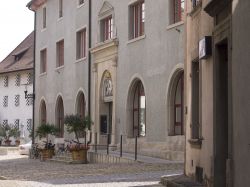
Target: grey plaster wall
{"type": "Point", "coordinates": [150, 59]}
{"type": "Point", "coordinates": [241, 91]}
{"type": "Point", "coordinates": [73, 76]}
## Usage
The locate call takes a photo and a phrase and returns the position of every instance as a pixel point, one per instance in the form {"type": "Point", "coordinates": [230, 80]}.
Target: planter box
{"type": "Point", "coordinates": [80, 155]}
{"type": "Point", "coordinates": [47, 153]}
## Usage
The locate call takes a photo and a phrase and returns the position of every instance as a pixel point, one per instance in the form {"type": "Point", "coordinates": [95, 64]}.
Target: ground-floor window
{"type": "Point", "coordinates": [60, 116]}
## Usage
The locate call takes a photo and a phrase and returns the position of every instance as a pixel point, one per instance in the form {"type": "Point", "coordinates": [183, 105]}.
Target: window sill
{"type": "Point", "coordinates": [80, 60]}
{"type": "Point", "coordinates": [60, 19]}
{"type": "Point", "coordinates": [59, 68]}
{"type": "Point", "coordinates": [43, 74]}
{"type": "Point", "coordinates": [172, 26]}
{"type": "Point", "coordinates": [80, 5]}
{"type": "Point", "coordinates": [136, 39]}
{"type": "Point", "coordinates": [196, 9]}
{"type": "Point", "coordinates": [196, 142]}
{"type": "Point", "coordinates": [43, 29]}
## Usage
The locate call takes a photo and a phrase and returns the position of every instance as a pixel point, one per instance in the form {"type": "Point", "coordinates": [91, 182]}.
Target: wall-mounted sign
{"type": "Point", "coordinates": [205, 47]}
{"type": "Point", "coordinates": [107, 87]}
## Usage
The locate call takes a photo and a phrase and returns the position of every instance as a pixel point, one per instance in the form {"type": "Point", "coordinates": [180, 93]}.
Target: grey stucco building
{"type": "Point", "coordinates": [131, 82]}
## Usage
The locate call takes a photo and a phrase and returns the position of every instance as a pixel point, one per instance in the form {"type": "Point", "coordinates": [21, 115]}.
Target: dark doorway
{"type": "Point", "coordinates": [221, 114]}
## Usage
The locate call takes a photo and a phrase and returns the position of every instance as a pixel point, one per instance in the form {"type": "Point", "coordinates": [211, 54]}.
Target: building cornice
{"type": "Point", "coordinates": [215, 6]}
{"type": "Point", "coordinates": [35, 4]}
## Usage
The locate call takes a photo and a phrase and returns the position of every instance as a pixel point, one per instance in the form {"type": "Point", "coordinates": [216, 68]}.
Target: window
{"type": "Point", "coordinates": [195, 100]}
{"type": "Point", "coordinates": [60, 117]}
{"type": "Point", "coordinates": [139, 111]}
{"type": "Point", "coordinates": [29, 78]}
{"type": "Point", "coordinates": [29, 125]}
{"type": "Point", "coordinates": [17, 80]}
{"type": "Point", "coordinates": [81, 2]}
{"type": "Point", "coordinates": [5, 123]}
{"type": "Point", "coordinates": [29, 101]}
{"type": "Point", "coordinates": [5, 81]}
{"type": "Point", "coordinates": [5, 101]}
{"type": "Point", "coordinates": [81, 44]}
{"type": "Point", "coordinates": [43, 61]}
{"type": "Point", "coordinates": [179, 6]}
{"type": "Point", "coordinates": [16, 123]}
{"type": "Point", "coordinates": [60, 53]}
{"type": "Point", "coordinates": [17, 100]}
{"type": "Point", "coordinates": [195, 3]}
{"type": "Point", "coordinates": [43, 113]}
{"type": "Point", "coordinates": [60, 8]}
{"type": "Point", "coordinates": [137, 19]}
{"type": "Point", "coordinates": [106, 28]}
{"type": "Point", "coordinates": [44, 18]}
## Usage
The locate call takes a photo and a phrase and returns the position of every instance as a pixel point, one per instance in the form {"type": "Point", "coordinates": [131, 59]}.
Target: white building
{"type": "Point", "coordinates": [16, 76]}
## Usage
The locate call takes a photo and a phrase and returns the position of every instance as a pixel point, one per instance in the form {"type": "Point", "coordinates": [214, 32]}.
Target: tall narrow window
{"type": "Point", "coordinates": [179, 106]}
{"type": "Point", "coordinates": [44, 18]}
{"type": "Point", "coordinates": [17, 80]}
{"type": "Point", "coordinates": [5, 81]}
{"type": "Point", "coordinates": [179, 6]}
{"type": "Point", "coordinates": [81, 44]}
{"type": "Point", "coordinates": [43, 61]}
{"type": "Point", "coordinates": [137, 19]}
{"type": "Point", "coordinates": [5, 101]}
{"type": "Point", "coordinates": [16, 123]}
{"type": "Point", "coordinates": [60, 53]}
{"type": "Point", "coordinates": [139, 111]}
{"type": "Point", "coordinates": [107, 28]}
{"type": "Point", "coordinates": [43, 113]}
{"type": "Point", "coordinates": [60, 116]}
{"type": "Point", "coordinates": [80, 2]}
{"type": "Point", "coordinates": [60, 8]}
{"type": "Point", "coordinates": [195, 100]}
{"type": "Point", "coordinates": [17, 100]}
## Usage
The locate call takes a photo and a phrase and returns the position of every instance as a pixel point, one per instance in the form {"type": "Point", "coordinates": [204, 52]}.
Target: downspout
{"type": "Point", "coordinates": [34, 81]}
{"type": "Point", "coordinates": [89, 62]}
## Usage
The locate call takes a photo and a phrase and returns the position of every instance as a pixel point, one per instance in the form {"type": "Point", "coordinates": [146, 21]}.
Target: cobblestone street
{"type": "Point", "coordinates": [21, 171]}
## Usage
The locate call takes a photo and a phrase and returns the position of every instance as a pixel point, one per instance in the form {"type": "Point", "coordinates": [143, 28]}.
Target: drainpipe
{"type": "Point", "coordinates": [89, 61]}
{"type": "Point", "coordinates": [34, 81]}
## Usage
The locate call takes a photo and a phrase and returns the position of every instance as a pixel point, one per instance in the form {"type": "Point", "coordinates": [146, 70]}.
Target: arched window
{"type": "Point", "coordinates": [81, 105]}
{"type": "Point", "coordinates": [60, 116]}
{"type": "Point", "coordinates": [43, 112]}
{"type": "Point", "coordinates": [139, 110]}
{"type": "Point", "coordinates": [179, 106]}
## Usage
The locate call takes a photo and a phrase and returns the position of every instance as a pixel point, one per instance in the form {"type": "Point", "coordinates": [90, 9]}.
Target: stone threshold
{"type": "Point", "coordinates": [179, 181]}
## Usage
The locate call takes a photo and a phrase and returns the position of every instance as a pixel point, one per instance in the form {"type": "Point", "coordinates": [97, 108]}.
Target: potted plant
{"type": "Point", "coordinates": [5, 133]}
{"type": "Point", "coordinates": [15, 132]}
{"type": "Point", "coordinates": [75, 124]}
{"type": "Point", "coordinates": [43, 131]}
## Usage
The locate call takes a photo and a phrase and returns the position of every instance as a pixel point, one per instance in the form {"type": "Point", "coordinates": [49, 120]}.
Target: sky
{"type": "Point", "coordinates": [17, 22]}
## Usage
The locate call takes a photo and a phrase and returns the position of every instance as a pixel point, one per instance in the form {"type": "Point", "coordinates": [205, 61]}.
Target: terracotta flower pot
{"type": "Point", "coordinates": [80, 155]}
{"type": "Point", "coordinates": [7, 142]}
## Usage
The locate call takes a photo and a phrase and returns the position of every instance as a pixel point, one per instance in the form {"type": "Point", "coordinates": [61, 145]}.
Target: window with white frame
{"type": "Point", "coordinates": [17, 100]}
{"type": "Point", "coordinates": [29, 78]}
{"type": "Point", "coordinates": [106, 25]}
{"type": "Point", "coordinates": [5, 101]}
{"type": "Point", "coordinates": [5, 81]}
{"type": "Point", "coordinates": [5, 122]}
{"type": "Point", "coordinates": [81, 44]}
{"type": "Point", "coordinates": [17, 80]}
{"type": "Point", "coordinates": [16, 123]}
{"type": "Point", "coordinates": [136, 19]}
{"type": "Point", "coordinates": [29, 124]}
{"type": "Point", "coordinates": [60, 53]}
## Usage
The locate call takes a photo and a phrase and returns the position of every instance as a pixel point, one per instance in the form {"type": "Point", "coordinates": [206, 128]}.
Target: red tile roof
{"type": "Point", "coordinates": [21, 58]}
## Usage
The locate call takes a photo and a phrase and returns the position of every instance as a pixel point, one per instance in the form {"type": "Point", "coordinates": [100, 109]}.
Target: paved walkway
{"type": "Point", "coordinates": [24, 172]}
{"type": "Point", "coordinates": [141, 158]}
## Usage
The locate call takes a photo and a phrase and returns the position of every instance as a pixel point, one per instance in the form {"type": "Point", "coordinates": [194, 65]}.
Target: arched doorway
{"type": "Point", "coordinates": [60, 116]}
{"type": "Point", "coordinates": [43, 113]}
{"type": "Point", "coordinates": [106, 108]}
{"type": "Point", "coordinates": [137, 108]}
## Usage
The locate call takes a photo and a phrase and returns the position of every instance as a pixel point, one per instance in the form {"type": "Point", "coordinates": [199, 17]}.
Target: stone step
{"type": "Point", "coordinates": [179, 181]}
